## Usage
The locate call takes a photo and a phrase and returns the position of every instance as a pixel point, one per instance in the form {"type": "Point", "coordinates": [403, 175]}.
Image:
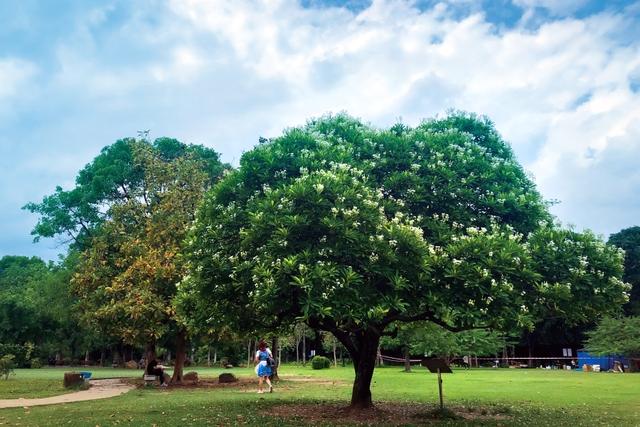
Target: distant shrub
{"type": "Point", "coordinates": [36, 364]}
{"type": "Point", "coordinates": [21, 353]}
{"type": "Point", "coordinates": [320, 362]}
{"type": "Point", "coordinates": [6, 365]}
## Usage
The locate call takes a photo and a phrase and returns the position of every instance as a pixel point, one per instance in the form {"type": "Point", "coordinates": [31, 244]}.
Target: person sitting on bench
{"type": "Point", "coordinates": [153, 368]}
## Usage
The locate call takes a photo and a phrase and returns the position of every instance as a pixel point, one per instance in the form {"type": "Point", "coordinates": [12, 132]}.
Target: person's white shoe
{"type": "Point", "coordinates": [163, 385]}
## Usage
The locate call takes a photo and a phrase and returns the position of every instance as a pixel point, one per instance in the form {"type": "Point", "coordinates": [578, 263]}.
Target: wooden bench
{"type": "Point", "coordinates": [150, 379]}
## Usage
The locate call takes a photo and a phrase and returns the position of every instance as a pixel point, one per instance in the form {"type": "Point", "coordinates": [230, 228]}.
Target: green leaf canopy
{"type": "Point", "coordinates": [352, 228]}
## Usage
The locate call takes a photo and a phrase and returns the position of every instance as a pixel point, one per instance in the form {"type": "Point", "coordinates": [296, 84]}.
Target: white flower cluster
{"type": "Point", "coordinates": [352, 212]}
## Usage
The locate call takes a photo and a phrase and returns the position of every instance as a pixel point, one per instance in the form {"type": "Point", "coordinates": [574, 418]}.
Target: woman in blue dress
{"type": "Point", "coordinates": [263, 370]}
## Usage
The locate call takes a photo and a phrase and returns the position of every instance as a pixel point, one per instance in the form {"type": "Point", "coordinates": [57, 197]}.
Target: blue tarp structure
{"type": "Point", "coordinates": [605, 362]}
{"type": "Point", "coordinates": [85, 375]}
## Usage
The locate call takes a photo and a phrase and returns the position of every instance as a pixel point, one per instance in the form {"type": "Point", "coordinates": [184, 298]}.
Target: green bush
{"type": "Point", "coordinates": [21, 353]}
{"type": "Point", "coordinates": [320, 362]}
{"type": "Point", "coordinates": [6, 365]}
{"type": "Point", "coordinates": [36, 364]}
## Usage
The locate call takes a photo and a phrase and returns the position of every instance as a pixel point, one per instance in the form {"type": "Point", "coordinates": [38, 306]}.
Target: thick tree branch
{"type": "Point", "coordinates": [344, 337]}
{"type": "Point", "coordinates": [427, 315]}
{"type": "Point", "coordinates": [124, 191]}
{"type": "Point", "coordinates": [86, 229]}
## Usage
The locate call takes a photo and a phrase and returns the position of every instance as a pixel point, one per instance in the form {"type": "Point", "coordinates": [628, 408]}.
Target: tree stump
{"type": "Point", "coordinates": [227, 378]}
{"type": "Point", "coordinates": [72, 379]}
{"type": "Point", "coordinates": [190, 377]}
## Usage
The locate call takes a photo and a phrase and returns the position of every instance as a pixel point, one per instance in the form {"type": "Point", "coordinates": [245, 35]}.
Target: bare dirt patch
{"type": "Point", "coordinates": [248, 384]}
{"type": "Point", "coordinates": [383, 413]}
{"type": "Point", "coordinates": [203, 383]}
{"type": "Point", "coordinates": [311, 380]}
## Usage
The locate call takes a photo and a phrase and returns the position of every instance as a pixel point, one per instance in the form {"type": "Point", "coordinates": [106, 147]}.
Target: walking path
{"type": "Point", "coordinates": [100, 389]}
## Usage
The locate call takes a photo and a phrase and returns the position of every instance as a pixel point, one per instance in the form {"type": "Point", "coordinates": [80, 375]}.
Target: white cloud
{"type": "Point", "coordinates": [566, 95]}
{"type": "Point", "coordinates": [556, 93]}
{"type": "Point", "coordinates": [555, 7]}
{"type": "Point", "coordinates": [600, 190]}
{"type": "Point", "coordinates": [15, 76]}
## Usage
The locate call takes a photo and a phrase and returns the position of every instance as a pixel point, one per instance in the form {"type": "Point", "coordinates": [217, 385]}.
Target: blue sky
{"type": "Point", "coordinates": [561, 80]}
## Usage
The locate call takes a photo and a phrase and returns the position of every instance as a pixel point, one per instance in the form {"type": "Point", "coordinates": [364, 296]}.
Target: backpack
{"type": "Point", "coordinates": [270, 361]}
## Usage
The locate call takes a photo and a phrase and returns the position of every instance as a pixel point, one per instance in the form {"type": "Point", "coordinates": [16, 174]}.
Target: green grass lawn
{"type": "Point", "coordinates": [528, 397]}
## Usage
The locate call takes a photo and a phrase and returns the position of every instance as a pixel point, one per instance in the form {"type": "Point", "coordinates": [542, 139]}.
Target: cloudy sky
{"type": "Point", "coordinates": [560, 78]}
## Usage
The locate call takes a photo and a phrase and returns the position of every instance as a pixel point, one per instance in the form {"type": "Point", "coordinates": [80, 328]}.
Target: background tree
{"type": "Point", "coordinates": [553, 332]}
{"type": "Point", "coordinates": [127, 217]}
{"type": "Point", "coordinates": [127, 276]}
{"type": "Point", "coordinates": [38, 317]}
{"type": "Point", "coordinates": [353, 229]}
{"type": "Point", "coordinates": [619, 336]}
{"type": "Point", "coordinates": [112, 178]}
{"type": "Point", "coordinates": [429, 339]}
{"type": "Point", "coordinates": [20, 318]}
{"type": "Point", "coordinates": [575, 262]}
{"type": "Point", "coordinates": [629, 240]}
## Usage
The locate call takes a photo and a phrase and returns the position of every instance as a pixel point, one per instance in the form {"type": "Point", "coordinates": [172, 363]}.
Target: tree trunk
{"type": "Point", "coordinates": [364, 362]}
{"type": "Point", "coordinates": [149, 353]}
{"type": "Point", "coordinates": [317, 343]}
{"type": "Point", "coordinates": [297, 350]}
{"type": "Point", "coordinates": [209, 356]}
{"type": "Point", "coordinates": [335, 359]}
{"type": "Point", "coordinates": [215, 356]}
{"type": "Point", "coordinates": [304, 350]}
{"type": "Point", "coordinates": [117, 359]}
{"type": "Point", "coordinates": [407, 359]}
{"type": "Point", "coordinates": [249, 353]}
{"type": "Point", "coordinates": [181, 355]}
{"type": "Point", "coordinates": [102, 356]}
{"type": "Point", "coordinates": [274, 351]}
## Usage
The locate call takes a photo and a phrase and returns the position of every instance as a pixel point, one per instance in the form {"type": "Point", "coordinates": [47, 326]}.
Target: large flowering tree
{"type": "Point", "coordinates": [354, 230]}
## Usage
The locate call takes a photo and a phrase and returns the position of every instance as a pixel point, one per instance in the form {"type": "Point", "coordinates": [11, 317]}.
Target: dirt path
{"type": "Point", "coordinates": [100, 389]}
